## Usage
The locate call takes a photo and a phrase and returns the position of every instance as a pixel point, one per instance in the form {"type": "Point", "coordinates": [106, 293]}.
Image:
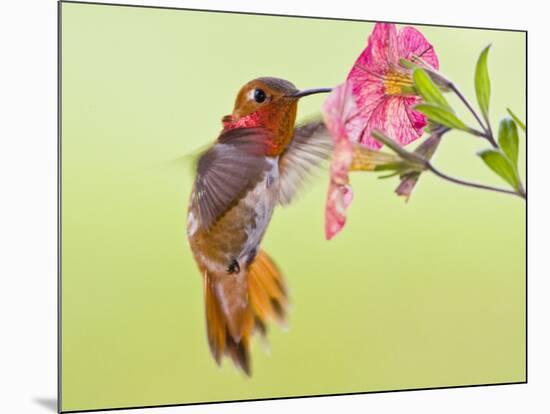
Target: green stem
{"type": "Point", "coordinates": [440, 174]}
{"type": "Point", "coordinates": [417, 160]}
{"type": "Point", "coordinates": [487, 133]}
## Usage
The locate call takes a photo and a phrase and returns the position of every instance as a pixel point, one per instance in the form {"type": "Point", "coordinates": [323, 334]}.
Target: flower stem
{"type": "Point", "coordinates": [440, 174]}
{"type": "Point", "coordinates": [419, 160]}
{"type": "Point", "coordinates": [487, 133]}
{"type": "Point", "coordinates": [477, 133]}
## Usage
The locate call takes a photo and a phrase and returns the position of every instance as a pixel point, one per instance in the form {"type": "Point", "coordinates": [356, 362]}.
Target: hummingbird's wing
{"type": "Point", "coordinates": [233, 164]}
{"type": "Point", "coordinates": [310, 146]}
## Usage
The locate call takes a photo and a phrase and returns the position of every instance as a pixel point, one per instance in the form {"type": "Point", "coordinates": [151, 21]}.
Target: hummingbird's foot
{"type": "Point", "coordinates": [234, 267]}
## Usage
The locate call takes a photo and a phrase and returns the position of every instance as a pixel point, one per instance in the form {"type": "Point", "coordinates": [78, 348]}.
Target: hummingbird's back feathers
{"type": "Point", "coordinates": [309, 148]}
{"type": "Point", "coordinates": [227, 169]}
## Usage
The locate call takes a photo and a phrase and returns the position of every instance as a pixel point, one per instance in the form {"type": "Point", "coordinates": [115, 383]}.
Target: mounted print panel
{"type": "Point", "coordinates": [225, 231]}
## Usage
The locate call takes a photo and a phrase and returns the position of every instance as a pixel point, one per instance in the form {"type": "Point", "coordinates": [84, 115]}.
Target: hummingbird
{"type": "Point", "coordinates": [260, 159]}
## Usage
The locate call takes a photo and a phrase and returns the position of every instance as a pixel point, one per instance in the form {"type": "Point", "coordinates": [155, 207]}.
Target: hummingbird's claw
{"type": "Point", "coordinates": [234, 267]}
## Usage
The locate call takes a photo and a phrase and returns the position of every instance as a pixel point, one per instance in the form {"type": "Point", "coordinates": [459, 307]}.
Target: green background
{"type": "Point", "coordinates": [425, 294]}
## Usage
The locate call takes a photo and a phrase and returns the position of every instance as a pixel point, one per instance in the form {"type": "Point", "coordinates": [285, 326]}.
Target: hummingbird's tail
{"type": "Point", "coordinates": [263, 299]}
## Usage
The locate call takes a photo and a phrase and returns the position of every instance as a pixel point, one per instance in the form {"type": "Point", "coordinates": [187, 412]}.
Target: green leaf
{"type": "Point", "coordinates": [482, 83]}
{"type": "Point", "coordinates": [411, 159]}
{"type": "Point", "coordinates": [390, 143]}
{"type": "Point", "coordinates": [394, 166]}
{"type": "Point", "coordinates": [502, 166]}
{"type": "Point", "coordinates": [407, 64]}
{"type": "Point", "coordinates": [442, 116]}
{"type": "Point", "coordinates": [393, 174]}
{"type": "Point", "coordinates": [409, 90]}
{"type": "Point", "coordinates": [428, 89]}
{"type": "Point", "coordinates": [508, 139]}
{"type": "Point", "coordinates": [513, 115]}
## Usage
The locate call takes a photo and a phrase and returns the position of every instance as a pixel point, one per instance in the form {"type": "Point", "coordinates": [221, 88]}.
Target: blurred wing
{"type": "Point", "coordinates": [310, 146]}
{"type": "Point", "coordinates": [226, 170]}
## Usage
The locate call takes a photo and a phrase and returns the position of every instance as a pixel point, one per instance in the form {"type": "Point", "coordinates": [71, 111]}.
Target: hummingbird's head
{"type": "Point", "coordinates": [264, 94]}
{"type": "Point", "coordinates": [269, 103]}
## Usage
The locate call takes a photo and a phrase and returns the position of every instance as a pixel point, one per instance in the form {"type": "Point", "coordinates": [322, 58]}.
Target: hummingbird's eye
{"type": "Point", "coordinates": [259, 95]}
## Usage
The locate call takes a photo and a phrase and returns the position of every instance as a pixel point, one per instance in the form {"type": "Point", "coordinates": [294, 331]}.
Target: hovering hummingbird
{"type": "Point", "coordinates": [259, 160]}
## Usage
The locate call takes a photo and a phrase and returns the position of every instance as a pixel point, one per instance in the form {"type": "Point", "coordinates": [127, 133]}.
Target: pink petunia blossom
{"type": "Point", "coordinates": [337, 110]}
{"type": "Point", "coordinates": [381, 86]}
{"type": "Point", "coordinates": [377, 95]}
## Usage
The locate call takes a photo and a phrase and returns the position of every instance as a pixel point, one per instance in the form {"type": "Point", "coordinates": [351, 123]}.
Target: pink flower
{"type": "Point", "coordinates": [377, 95]}
{"type": "Point", "coordinates": [338, 109]}
{"type": "Point", "coordinates": [382, 87]}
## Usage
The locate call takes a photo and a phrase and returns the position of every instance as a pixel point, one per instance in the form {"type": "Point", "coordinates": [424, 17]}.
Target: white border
{"type": "Point", "coordinates": [28, 204]}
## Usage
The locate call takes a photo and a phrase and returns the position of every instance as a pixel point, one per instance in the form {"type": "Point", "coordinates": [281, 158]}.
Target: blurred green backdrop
{"type": "Point", "coordinates": [425, 294]}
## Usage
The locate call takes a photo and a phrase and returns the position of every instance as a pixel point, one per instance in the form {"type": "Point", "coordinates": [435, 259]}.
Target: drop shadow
{"type": "Point", "coordinates": [49, 403]}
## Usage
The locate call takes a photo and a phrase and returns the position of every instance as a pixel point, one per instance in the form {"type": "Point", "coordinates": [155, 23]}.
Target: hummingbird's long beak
{"type": "Point", "coordinates": [307, 92]}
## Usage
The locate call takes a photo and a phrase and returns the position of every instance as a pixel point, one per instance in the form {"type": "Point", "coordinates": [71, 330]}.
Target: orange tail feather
{"type": "Point", "coordinates": [230, 329]}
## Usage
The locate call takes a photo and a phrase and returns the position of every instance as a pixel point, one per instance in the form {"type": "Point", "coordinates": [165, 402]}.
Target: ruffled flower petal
{"type": "Point", "coordinates": [397, 119]}
{"type": "Point", "coordinates": [375, 78]}
{"type": "Point", "coordinates": [337, 110]}
{"type": "Point", "coordinates": [382, 51]}
{"type": "Point", "coordinates": [412, 43]}
{"type": "Point", "coordinates": [375, 97]}
{"type": "Point", "coordinates": [339, 193]}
